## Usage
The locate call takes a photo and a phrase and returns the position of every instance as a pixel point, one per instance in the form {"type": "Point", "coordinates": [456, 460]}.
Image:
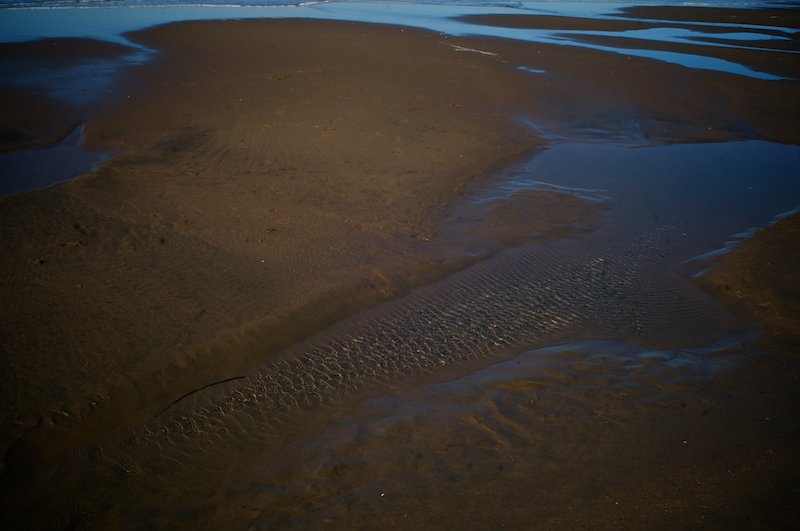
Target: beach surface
{"type": "Point", "coordinates": [271, 180]}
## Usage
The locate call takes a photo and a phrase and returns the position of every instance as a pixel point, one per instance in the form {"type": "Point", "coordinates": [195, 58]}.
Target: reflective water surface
{"type": "Point", "coordinates": [574, 379]}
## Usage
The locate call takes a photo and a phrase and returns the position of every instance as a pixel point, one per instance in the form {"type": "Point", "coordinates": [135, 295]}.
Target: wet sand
{"type": "Point", "coordinates": [275, 177]}
{"type": "Point", "coordinates": [759, 283]}
{"type": "Point", "coordinates": [35, 115]}
{"type": "Point", "coordinates": [282, 184]}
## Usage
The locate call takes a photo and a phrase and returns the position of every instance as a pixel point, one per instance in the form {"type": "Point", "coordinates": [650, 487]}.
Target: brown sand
{"type": "Point", "coordinates": [591, 435]}
{"type": "Point", "coordinates": [281, 176]}
{"type": "Point", "coordinates": [785, 17]}
{"type": "Point", "coordinates": [760, 281]}
{"type": "Point", "coordinates": [583, 436]}
{"type": "Point", "coordinates": [31, 118]}
{"type": "Point", "coordinates": [650, 17]}
{"type": "Point", "coordinates": [28, 120]}
{"type": "Point", "coordinates": [755, 54]}
{"type": "Point", "coordinates": [278, 177]}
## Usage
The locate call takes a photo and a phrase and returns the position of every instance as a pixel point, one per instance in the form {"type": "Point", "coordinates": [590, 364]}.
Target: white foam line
{"type": "Point", "coordinates": [463, 49]}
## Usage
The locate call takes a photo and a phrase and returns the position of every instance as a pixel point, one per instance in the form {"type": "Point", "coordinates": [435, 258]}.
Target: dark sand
{"type": "Point", "coordinates": [277, 176]}
{"type": "Point", "coordinates": [759, 281]}
{"type": "Point", "coordinates": [276, 181]}
{"type": "Point", "coordinates": [32, 117]}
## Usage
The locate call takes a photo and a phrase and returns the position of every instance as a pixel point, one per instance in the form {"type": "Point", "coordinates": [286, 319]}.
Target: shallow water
{"type": "Point", "coordinates": [583, 434]}
{"type": "Point", "coordinates": [452, 18]}
{"type": "Point", "coordinates": [410, 412]}
{"type": "Point", "coordinates": [615, 284]}
{"type": "Point", "coordinates": [25, 171]}
{"type": "Point", "coordinates": [413, 455]}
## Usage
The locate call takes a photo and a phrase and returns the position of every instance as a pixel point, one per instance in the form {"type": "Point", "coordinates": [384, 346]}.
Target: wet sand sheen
{"type": "Point", "coordinates": [371, 211]}
{"type": "Point", "coordinates": [262, 199]}
{"type": "Point", "coordinates": [609, 284]}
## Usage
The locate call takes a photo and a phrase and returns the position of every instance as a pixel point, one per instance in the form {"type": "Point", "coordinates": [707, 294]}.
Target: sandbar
{"type": "Point", "coordinates": [273, 177]}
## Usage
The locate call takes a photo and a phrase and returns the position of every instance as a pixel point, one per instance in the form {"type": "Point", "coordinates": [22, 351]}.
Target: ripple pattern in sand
{"type": "Point", "coordinates": [525, 297]}
{"type": "Point", "coordinates": [613, 284]}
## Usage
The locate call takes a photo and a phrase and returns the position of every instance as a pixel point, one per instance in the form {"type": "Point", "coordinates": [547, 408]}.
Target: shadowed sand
{"type": "Point", "coordinates": [588, 434]}
{"type": "Point", "coordinates": [39, 104]}
{"type": "Point", "coordinates": [759, 281]}
{"type": "Point", "coordinates": [275, 177]}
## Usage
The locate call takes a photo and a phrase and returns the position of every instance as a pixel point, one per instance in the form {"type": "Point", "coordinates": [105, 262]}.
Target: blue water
{"type": "Point", "coordinates": [23, 20]}
{"type": "Point", "coordinates": [485, 3]}
{"type": "Point", "coordinates": [110, 20]}
{"type": "Point", "coordinates": [738, 172]}
{"type": "Point", "coordinates": [37, 19]}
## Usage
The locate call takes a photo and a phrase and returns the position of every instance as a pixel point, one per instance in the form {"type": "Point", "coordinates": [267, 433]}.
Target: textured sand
{"type": "Point", "coordinates": [274, 177]}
